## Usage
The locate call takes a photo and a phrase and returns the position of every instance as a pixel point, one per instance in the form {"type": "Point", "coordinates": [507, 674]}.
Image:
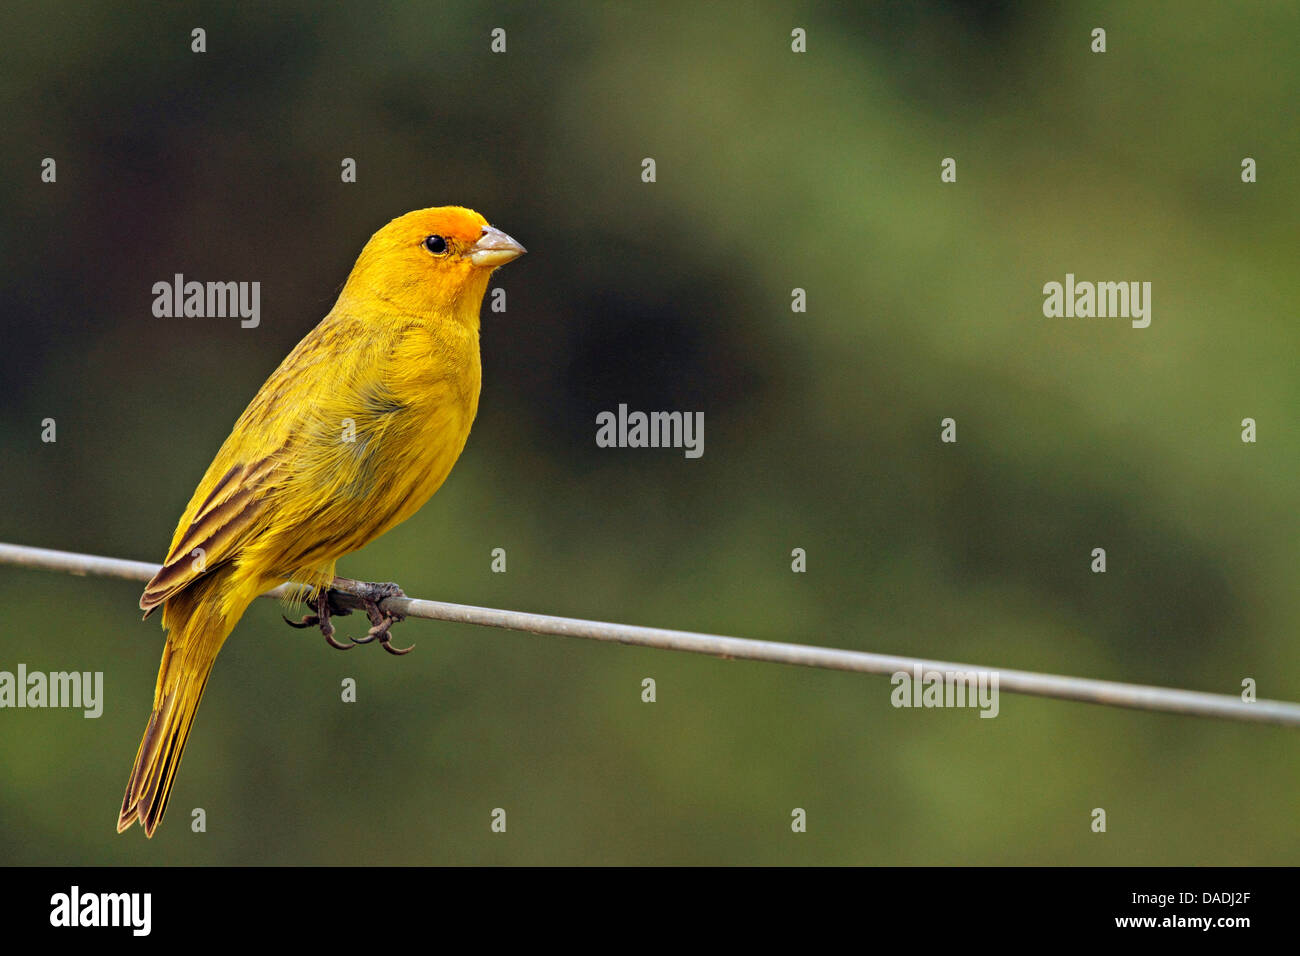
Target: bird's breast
{"type": "Point", "coordinates": [412, 424]}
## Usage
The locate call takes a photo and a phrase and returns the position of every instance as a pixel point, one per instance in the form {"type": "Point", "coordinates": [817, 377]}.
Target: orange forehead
{"type": "Point", "coordinates": [450, 222]}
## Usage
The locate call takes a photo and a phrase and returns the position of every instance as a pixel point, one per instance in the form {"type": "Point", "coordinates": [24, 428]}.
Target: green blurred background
{"type": "Point", "coordinates": [775, 170]}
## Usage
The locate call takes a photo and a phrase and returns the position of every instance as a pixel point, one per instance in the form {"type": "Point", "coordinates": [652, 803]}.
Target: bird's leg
{"type": "Point", "coordinates": [380, 620]}
{"type": "Point", "coordinates": [326, 603]}
{"type": "Point", "coordinates": [325, 608]}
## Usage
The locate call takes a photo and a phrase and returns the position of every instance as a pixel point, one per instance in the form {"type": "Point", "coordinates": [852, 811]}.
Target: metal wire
{"type": "Point", "coordinates": [1109, 693]}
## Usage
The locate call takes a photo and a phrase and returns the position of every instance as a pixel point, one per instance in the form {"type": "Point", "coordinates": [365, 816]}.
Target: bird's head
{"type": "Point", "coordinates": [432, 261]}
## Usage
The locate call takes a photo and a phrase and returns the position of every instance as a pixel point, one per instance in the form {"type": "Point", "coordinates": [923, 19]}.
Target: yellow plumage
{"type": "Point", "coordinates": [355, 430]}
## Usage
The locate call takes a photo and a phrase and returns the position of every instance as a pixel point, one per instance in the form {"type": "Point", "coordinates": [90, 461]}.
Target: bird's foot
{"type": "Point", "coordinates": [381, 621]}
{"type": "Point", "coordinates": [325, 606]}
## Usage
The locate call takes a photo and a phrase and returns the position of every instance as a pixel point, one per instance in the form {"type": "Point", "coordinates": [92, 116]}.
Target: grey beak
{"type": "Point", "coordinates": [494, 248]}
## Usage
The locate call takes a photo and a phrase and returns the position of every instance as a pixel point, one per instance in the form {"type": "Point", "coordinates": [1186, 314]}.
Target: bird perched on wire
{"type": "Point", "coordinates": [355, 430]}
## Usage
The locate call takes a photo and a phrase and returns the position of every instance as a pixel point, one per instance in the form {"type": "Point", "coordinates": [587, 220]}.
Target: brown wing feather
{"type": "Point", "coordinates": [221, 523]}
{"type": "Point", "coordinates": [229, 508]}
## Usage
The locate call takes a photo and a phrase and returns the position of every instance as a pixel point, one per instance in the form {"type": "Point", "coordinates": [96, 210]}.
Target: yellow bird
{"type": "Point", "coordinates": [355, 430]}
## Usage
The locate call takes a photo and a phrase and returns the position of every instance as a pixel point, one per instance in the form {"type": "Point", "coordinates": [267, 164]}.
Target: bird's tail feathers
{"type": "Point", "coordinates": [198, 627]}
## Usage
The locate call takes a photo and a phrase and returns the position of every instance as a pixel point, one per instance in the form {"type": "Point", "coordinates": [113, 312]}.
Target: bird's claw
{"type": "Point", "coordinates": [329, 639]}
{"type": "Point", "coordinates": [381, 621]}
{"type": "Point", "coordinates": [385, 639]}
{"type": "Point", "coordinates": [325, 609]}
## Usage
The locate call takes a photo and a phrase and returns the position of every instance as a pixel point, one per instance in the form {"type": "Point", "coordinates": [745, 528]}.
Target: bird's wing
{"type": "Point", "coordinates": [232, 505]}
{"type": "Point", "coordinates": [221, 524]}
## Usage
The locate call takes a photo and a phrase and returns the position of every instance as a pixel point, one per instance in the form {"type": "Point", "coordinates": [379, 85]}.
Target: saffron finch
{"type": "Point", "coordinates": [355, 430]}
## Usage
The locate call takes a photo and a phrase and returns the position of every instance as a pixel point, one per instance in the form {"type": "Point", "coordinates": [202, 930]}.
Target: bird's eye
{"type": "Point", "coordinates": [436, 244]}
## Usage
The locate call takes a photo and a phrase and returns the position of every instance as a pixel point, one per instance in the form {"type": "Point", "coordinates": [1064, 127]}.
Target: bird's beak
{"type": "Point", "coordinates": [494, 248]}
